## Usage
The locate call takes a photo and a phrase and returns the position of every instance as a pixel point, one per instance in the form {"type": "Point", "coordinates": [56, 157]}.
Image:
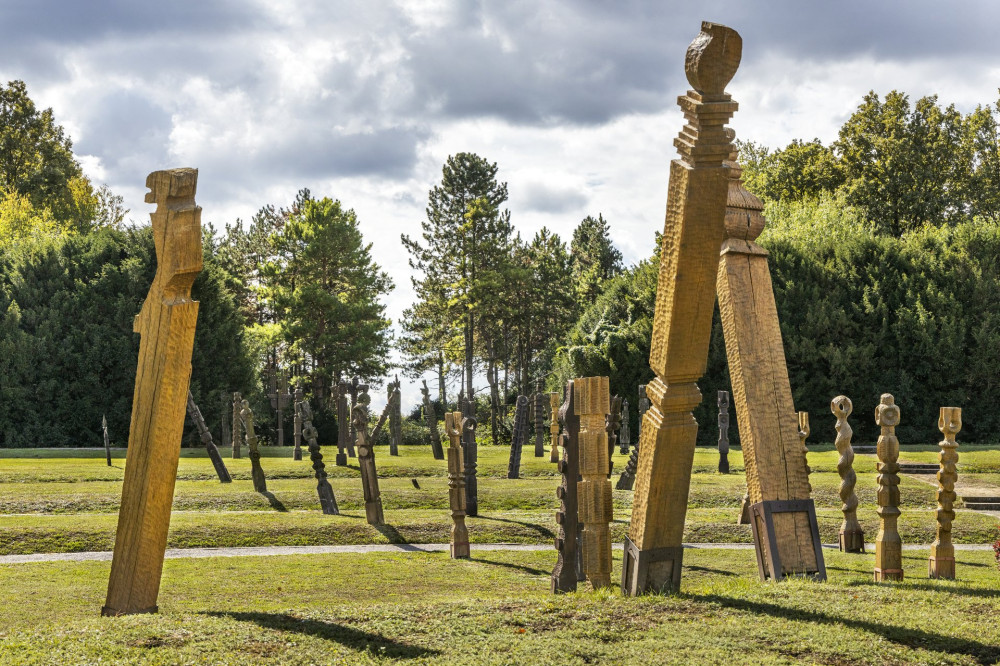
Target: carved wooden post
{"type": "Point", "coordinates": [643, 403]}
{"type": "Point", "coordinates": [297, 424]}
{"type": "Point", "coordinates": [327, 500]}
{"type": "Point", "coordinates": [237, 425]}
{"type": "Point", "coordinates": [166, 325]}
{"type": "Point", "coordinates": [554, 427]}
{"type": "Point", "coordinates": [942, 560]}
{"type": "Point", "coordinates": [539, 419]}
{"type": "Point", "coordinates": [283, 397]}
{"type": "Point", "coordinates": [888, 545]}
{"type": "Point", "coordinates": [226, 435]}
{"type": "Point", "coordinates": [723, 400]}
{"type": "Point", "coordinates": [366, 459]}
{"type": "Point", "coordinates": [206, 440]}
{"type": "Point", "coordinates": [625, 434]}
{"type": "Point", "coordinates": [456, 485]}
{"type": "Point", "coordinates": [564, 575]}
{"type": "Point", "coordinates": [520, 433]}
{"type": "Point", "coordinates": [395, 418]}
{"type": "Point", "coordinates": [470, 452]}
{"type": "Point", "coordinates": [682, 321]}
{"type": "Point", "coordinates": [352, 438]}
{"type": "Point", "coordinates": [803, 435]}
{"type": "Point", "coordinates": [432, 424]}
{"type": "Point", "coordinates": [107, 440]}
{"type": "Point", "coordinates": [852, 538]}
{"type": "Point", "coordinates": [592, 404]}
{"type": "Point", "coordinates": [343, 424]}
{"type": "Point", "coordinates": [256, 471]}
{"type": "Point", "coordinates": [613, 424]}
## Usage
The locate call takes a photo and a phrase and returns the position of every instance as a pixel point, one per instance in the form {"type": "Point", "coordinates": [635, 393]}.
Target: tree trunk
{"type": "Point", "coordinates": [442, 395]}
{"type": "Point", "coordinates": [491, 378]}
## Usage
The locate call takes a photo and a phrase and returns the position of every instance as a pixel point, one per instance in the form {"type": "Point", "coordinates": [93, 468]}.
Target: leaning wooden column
{"type": "Point", "coordinates": [682, 322]}
{"type": "Point", "coordinates": [942, 560]}
{"type": "Point", "coordinates": [206, 440]}
{"type": "Point", "coordinates": [456, 485]}
{"type": "Point", "coordinates": [256, 471]}
{"type": "Point", "coordinates": [297, 424]}
{"type": "Point", "coordinates": [366, 459]}
{"type": "Point", "coordinates": [852, 538]}
{"type": "Point", "coordinates": [519, 435]}
{"type": "Point", "coordinates": [470, 458]}
{"type": "Point", "coordinates": [592, 405]}
{"type": "Point", "coordinates": [166, 326]}
{"type": "Point", "coordinates": [107, 440]}
{"type": "Point", "coordinates": [888, 544]}
{"type": "Point", "coordinates": [432, 424]}
{"type": "Point", "coordinates": [327, 500]}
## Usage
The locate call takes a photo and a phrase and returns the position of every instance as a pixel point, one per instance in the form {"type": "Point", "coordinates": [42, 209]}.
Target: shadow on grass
{"type": "Point", "coordinates": [709, 570]}
{"type": "Point", "coordinates": [936, 587]}
{"type": "Point", "coordinates": [274, 501]}
{"type": "Point", "coordinates": [544, 531]}
{"type": "Point", "coordinates": [917, 639]}
{"type": "Point", "coordinates": [361, 641]}
{"type": "Point", "coordinates": [508, 565]}
{"type": "Point", "coordinates": [390, 533]}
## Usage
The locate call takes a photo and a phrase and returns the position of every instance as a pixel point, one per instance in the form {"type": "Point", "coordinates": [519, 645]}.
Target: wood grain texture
{"type": "Point", "coordinates": [852, 538]}
{"type": "Point", "coordinates": [166, 325]}
{"type": "Point", "coordinates": [456, 485]}
{"type": "Point", "coordinates": [564, 575]}
{"type": "Point", "coordinates": [685, 298]}
{"type": "Point", "coordinates": [942, 559]}
{"type": "Point", "coordinates": [366, 459]}
{"type": "Point", "coordinates": [592, 404]}
{"type": "Point", "coordinates": [253, 447]}
{"type": "Point", "coordinates": [888, 544]}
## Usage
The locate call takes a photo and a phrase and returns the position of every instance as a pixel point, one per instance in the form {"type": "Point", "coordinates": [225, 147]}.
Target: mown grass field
{"type": "Point", "coordinates": [494, 609]}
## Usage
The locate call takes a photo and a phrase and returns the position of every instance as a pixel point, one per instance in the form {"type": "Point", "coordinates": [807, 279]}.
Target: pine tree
{"type": "Point", "coordinates": [595, 259]}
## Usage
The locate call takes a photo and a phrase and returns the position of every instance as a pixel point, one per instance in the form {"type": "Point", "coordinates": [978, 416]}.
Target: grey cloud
{"type": "Point", "coordinates": [545, 199]}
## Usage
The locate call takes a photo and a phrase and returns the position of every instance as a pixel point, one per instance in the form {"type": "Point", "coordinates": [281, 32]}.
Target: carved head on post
{"type": "Point", "coordinates": [712, 60]}
{"type": "Point", "coordinates": [841, 407]}
{"type": "Point", "coordinates": [950, 422]}
{"type": "Point", "coordinates": [887, 412]}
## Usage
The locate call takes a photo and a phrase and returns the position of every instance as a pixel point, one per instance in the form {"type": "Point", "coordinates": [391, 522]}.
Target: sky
{"type": "Point", "coordinates": [363, 101]}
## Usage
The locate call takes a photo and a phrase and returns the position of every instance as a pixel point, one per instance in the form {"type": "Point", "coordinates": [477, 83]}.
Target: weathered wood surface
{"type": "Point", "coordinates": [395, 418]}
{"type": "Point", "coordinates": [612, 426]}
{"type": "Point", "coordinates": [565, 575]}
{"type": "Point", "coordinates": [166, 325]}
{"type": "Point", "coordinates": [554, 427]}
{"type": "Point", "coordinates": [470, 453]}
{"type": "Point", "coordinates": [253, 446]}
{"type": "Point", "coordinates": [432, 424]}
{"type": "Point", "coordinates": [353, 390]}
{"type": "Point", "coordinates": [343, 424]}
{"type": "Point", "coordinates": [852, 538]}
{"type": "Point", "coordinates": [888, 544]}
{"type": "Point", "coordinates": [773, 449]}
{"type": "Point", "coordinates": [107, 440]}
{"type": "Point", "coordinates": [297, 424]}
{"type": "Point", "coordinates": [456, 485]}
{"type": "Point", "coordinates": [206, 440]}
{"type": "Point", "coordinates": [723, 401]}
{"type": "Point", "coordinates": [237, 425]}
{"type": "Point", "coordinates": [520, 434]}
{"type": "Point", "coordinates": [625, 433]}
{"type": "Point", "coordinates": [538, 414]}
{"type": "Point", "coordinates": [592, 403]}
{"type": "Point", "coordinates": [627, 478]}
{"type": "Point", "coordinates": [803, 436]}
{"type": "Point", "coordinates": [682, 321]}
{"type": "Point", "coordinates": [327, 500]}
{"type": "Point", "coordinates": [942, 560]}
{"type": "Point", "coordinates": [366, 460]}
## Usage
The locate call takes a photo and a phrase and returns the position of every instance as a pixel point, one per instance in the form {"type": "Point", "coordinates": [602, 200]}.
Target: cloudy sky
{"type": "Point", "coordinates": [364, 100]}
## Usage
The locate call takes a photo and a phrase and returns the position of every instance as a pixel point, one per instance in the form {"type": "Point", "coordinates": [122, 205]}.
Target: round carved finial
{"type": "Point", "coordinates": [887, 412]}
{"type": "Point", "coordinates": [950, 420]}
{"type": "Point", "coordinates": [713, 58]}
{"type": "Point", "coordinates": [841, 406]}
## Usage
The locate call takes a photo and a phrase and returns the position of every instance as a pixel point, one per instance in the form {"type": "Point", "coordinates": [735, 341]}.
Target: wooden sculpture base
{"type": "Point", "coordinates": [341, 460]}
{"type": "Point", "coordinates": [656, 570]}
{"type": "Point", "coordinates": [766, 542]}
{"type": "Point", "coordinates": [852, 542]}
{"type": "Point", "coordinates": [888, 574]}
{"type": "Point", "coordinates": [941, 566]}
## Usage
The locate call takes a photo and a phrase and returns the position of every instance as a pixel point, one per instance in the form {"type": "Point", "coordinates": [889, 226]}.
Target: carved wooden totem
{"type": "Point", "coordinates": [682, 321]}
{"type": "Point", "coordinates": [343, 424]}
{"type": "Point", "coordinates": [539, 419]}
{"type": "Point", "coordinates": [643, 403]}
{"type": "Point", "coordinates": [353, 388]}
{"type": "Point", "coordinates": [592, 403]}
{"type": "Point", "coordinates": [237, 425]}
{"type": "Point", "coordinates": [470, 453]}
{"type": "Point", "coordinates": [395, 418]}
{"type": "Point", "coordinates": [612, 426]}
{"type": "Point", "coordinates": [297, 424]}
{"type": "Point", "coordinates": [723, 398]}
{"type": "Point", "coordinates": [107, 440]}
{"type": "Point", "coordinates": [803, 435]}
{"type": "Point", "coordinates": [327, 500]}
{"type": "Point", "coordinates": [888, 545]}
{"type": "Point", "coordinates": [166, 325]}
{"type": "Point", "coordinates": [456, 485]}
{"type": "Point", "coordinates": [942, 560]}
{"type": "Point", "coordinates": [520, 434]}
{"type": "Point", "coordinates": [226, 434]}
{"type": "Point", "coordinates": [279, 399]}
{"type": "Point", "coordinates": [852, 538]}
{"type": "Point", "coordinates": [565, 575]}
{"type": "Point", "coordinates": [256, 471]}
{"type": "Point", "coordinates": [432, 424]}
{"type": "Point", "coordinates": [554, 427]}
{"type": "Point", "coordinates": [206, 440]}
{"type": "Point", "coordinates": [366, 459]}
{"type": "Point", "coordinates": [625, 434]}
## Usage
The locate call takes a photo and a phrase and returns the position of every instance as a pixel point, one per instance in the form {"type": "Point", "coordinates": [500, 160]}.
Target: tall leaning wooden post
{"type": "Point", "coordinates": [592, 404]}
{"type": "Point", "coordinates": [682, 323]}
{"type": "Point", "coordinates": [888, 544]}
{"type": "Point", "coordinates": [166, 325]}
{"type": "Point", "coordinates": [942, 560]}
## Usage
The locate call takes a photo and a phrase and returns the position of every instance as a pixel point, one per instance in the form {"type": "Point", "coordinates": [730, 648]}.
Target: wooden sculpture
{"type": "Point", "coordinates": [107, 440]}
{"type": "Point", "coordinates": [353, 389]}
{"type": "Point", "coordinates": [520, 434]}
{"type": "Point", "coordinates": [432, 424]}
{"type": "Point", "coordinates": [343, 424]}
{"type": "Point", "coordinates": [256, 471]}
{"type": "Point", "coordinates": [888, 545]}
{"type": "Point", "coordinates": [627, 478]}
{"type": "Point", "coordinates": [592, 402]}
{"type": "Point", "coordinates": [226, 440]}
{"type": "Point", "coordinates": [643, 403]}
{"type": "Point", "coordinates": [942, 560]}
{"type": "Point", "coordinates": [206, 440]}
{"type": "Point", "coordinates": [625, 434]}
{"type": "Point", "coordinates": [279, 399]}
{"type": "Point", "coordinates": [456, 485]}
{"type": "Point", "coordinates": [565, 575]}
{"type": "Point", "coordinates": [470, 453]}
{"type": "Point", "coordinates": [395, 418]}
{"type": "Point", "coordinates": [852, 538]}
{"type": "Point", "coordinates": [166, 326]}
{"type": "Point", "coordinates": [803, 435]}
{"type": "Point", "coordinates": [539, 419]}
{"type": "Point", "coordinates": [554, 427]}
{"type": "Point", "coordinates": [297, 424]}
{"type": "Point", "coordinates": [612, 425]}
{"type": "Point", "coordinates": [366, 459]}
{"type": "Point", "coordinates": [237, 425]}
{"type": "Point", "coordinates": [723, 400]}
{"type": "Point", "coordinates": [327, 500]}
{"type": "Point", "coordinates": [682, 320]}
